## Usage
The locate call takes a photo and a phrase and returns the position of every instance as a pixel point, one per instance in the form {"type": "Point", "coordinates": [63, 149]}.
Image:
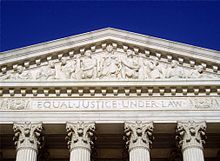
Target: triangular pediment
{"type": "Point", "coordinates": [109, 54]}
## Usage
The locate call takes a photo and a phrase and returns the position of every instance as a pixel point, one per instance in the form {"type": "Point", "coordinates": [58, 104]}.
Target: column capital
{"type": "Point", "coordinates": [191, 134]}
{"type": "Point", "coordinates": [138, 134]}
{"type": "Point", "coordinates": [28, 135]}
{"type": "Point", "coordinates": [80, 134]}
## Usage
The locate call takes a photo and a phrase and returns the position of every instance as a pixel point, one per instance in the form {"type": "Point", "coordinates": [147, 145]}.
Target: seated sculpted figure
{"type": "Point", "coordinates": [110, 67]}
{"type": "Point", "coordinates": [47, 72]}
{"type": "Point", "coordinates": [21, 74]}
{"type": "Point", "coordinates": [174, 71]}
{"type": "Point", "coordinates": [156, 69]}
{"type": "Point", "coordinates": [195, 73]}
{"type": "Point", "coordinates": [67, 68]}
{"type": "Point", "coordinates": [5, 76]}
{"type": "Point", "coordinates": [130, 66]}
{"type": "Point", "coordinates": [198, 72]}
{"type": "Point", "coordinates": [88, 66]}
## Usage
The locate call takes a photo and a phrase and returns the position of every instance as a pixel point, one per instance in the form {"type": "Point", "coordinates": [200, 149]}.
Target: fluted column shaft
{"type": "Point", "coordinates": [80, 136]}
{"type": "Point", "coordinates": [26, 155]}
{"type": "Point", "coordinates": [27, 139]}
{"type": "Point", "coordinates": [191, 136]}
{"type": "Point", "coordinates": [139, 136]}
{"type": "Point", "coordinates": [80, 154]}
{"type": "Point", "coordinates": [139, 154]}
{"type": "Point", "coordinates": [193, 154]}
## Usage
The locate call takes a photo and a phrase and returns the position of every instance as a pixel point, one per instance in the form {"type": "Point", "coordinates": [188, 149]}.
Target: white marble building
{"type": "Point", "coordinates": [110, 95]}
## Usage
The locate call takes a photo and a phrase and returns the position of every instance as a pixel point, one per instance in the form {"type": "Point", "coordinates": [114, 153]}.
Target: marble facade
{"type": "Point", "coordinates": [115, 95]}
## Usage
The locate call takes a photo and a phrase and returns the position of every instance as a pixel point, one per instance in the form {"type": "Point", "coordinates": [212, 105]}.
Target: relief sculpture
{"type": "Point", "coordinates": [109, 64]}
{"type": "Point", "coordinates": [68, 68]}
{"type": "Point", "coordinates": [47, 72]}
{"type": "Point", "coordinates": [130, 66]}
{"type": "Point", "coordinates": [110, 67]}
{"type": "Point", "coordinates": [174, 71]}
{"type": "Point", "coordinates": [21, 74]}
{"type": "Point", "coordinates": [88, 66]}
{"type": "Point", "coordinates": [14, 104]}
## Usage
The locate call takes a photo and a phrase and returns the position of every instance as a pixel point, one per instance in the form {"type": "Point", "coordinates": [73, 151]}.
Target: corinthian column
{"type": "Point", "coordinates": [80, 139]}
{"type": "Point", "coordinates": [138, 139]}
{"type": "Point", "coordinates": [191, 136]}
{"type": "Point", "coordinates": [27, 139]}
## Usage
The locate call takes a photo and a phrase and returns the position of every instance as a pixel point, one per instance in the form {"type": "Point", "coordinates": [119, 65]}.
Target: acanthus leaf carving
{"type": "Point", "coordinates": [191, 134]}
{"type": "Point", "coordinates": [80, 134]}
{"type": "Point", "coordinates": [138, 134]}
{"type": "Point", "coordinates": [28, 135]}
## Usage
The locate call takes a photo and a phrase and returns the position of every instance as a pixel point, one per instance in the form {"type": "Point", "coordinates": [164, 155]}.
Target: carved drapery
{"type": "Point", "coordinates": [138, 134]}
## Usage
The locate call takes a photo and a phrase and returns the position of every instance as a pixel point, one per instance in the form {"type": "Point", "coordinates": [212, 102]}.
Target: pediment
{"type": "Point", "coordinates": [109, 54]}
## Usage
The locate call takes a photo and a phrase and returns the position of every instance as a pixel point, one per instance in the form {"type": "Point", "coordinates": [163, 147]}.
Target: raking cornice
{"type": "Point", "coordinates": [70, 42]}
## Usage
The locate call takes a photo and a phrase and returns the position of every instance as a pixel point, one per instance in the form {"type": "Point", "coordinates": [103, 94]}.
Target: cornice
{"type": "Point", "coordinates": [111, 83]}
{"type": "Point", "coordinates": [150, 42]}
{"type": "Point", "coordinates": [185, 88]}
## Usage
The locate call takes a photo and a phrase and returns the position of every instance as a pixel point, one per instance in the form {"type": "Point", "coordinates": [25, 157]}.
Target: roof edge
{"type": "Point", "coordinates": [117, 35]}
{"type": "Point", "coordinates": [107, 29]}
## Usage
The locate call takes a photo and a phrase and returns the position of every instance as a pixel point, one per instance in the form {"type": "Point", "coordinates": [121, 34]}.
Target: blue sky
{"type": "Point", "coordinates": [25, 23]}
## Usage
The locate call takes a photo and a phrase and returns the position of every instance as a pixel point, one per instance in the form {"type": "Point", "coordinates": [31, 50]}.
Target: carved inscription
{"type": "Point", "coordinates": [212, 103]}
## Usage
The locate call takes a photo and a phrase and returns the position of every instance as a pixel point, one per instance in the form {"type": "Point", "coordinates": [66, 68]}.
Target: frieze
{"type": "Point", "coordinates": [65, 104]}
{"type": "Point", "coordinates": [111, 63]}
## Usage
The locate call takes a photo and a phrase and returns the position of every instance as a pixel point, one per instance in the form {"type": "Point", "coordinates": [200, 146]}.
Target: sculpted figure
{"type": "Point", "coordinates": [130, 66]}
{"type": "Point", "coordinates": [111, 67]}
{"type": "Point", "coordinates": [77, 63]}
{"type": "Point", "coordinates": [21, 74]}
{"type": "Point", "coordinates": [195, 73]}
{"type": "Point", "coordinates": [199, 73]}
{"type": "Point", "coordinates": [155, 73]}
{"type": "Point", "coordinates": [47, 72]}
{"type": "Point", "coordinates": [67, 68]}
{"type": "Point", "coordinates": [4, 76]}
{"type": "Point", "coordinates": [144, 71]}
{"type": "Point", "coordinates": [88, 66]}
{"type": "Point", "coordinates": [110, 64]}
{"type": "Point", "coordinates": [174, 71]}
{"type": "Point", "coordinates": [157, 70]}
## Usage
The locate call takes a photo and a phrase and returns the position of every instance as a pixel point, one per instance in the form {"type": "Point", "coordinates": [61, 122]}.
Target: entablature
{"type": "Point", "coordinates": [110, 88]}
